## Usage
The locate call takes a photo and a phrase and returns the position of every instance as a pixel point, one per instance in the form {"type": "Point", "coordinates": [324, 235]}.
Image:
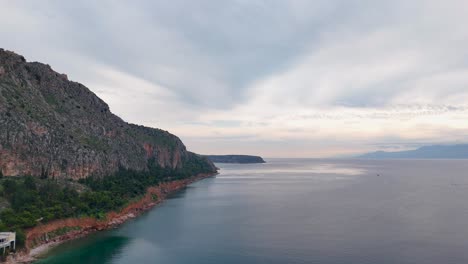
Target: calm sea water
{"type": "Point", "coordinates": [299, 211]}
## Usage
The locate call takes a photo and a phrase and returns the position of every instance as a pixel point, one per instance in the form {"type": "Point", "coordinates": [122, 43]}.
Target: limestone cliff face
{"type": "Point", "coordinates": [54, 127]}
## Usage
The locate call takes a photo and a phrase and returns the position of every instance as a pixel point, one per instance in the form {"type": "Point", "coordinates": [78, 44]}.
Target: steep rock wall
{"type": "Point", "coordinates": [53, 127]}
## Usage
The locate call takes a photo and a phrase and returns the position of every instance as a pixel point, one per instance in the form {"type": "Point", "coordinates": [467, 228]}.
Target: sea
{"type": "Point", "coordinates": [287, 211]}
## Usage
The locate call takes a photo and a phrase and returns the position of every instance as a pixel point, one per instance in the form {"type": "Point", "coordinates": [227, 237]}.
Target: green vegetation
{"type": "Point", "coordinates": [94, 143]}
{"type": "Point", "coordinates": [154, 136]}
{"type": "Point", "coordinates": [50, 99]}
{"type": "Point", "coordinates": [35, 200]}
{"type": "Point", "coordinates": [63, 231]}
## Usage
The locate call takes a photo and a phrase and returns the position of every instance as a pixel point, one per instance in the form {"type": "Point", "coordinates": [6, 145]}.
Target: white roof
{"type": "Point", "coordinates": [7, 235]}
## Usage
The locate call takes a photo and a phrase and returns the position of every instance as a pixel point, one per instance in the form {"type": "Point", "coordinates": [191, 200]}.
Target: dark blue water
{"type": "Point", "coordinates": [299, 211]}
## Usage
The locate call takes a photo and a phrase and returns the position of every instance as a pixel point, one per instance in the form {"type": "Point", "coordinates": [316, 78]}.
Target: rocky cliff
{"type": "Point", "coordinates": [53, 127]}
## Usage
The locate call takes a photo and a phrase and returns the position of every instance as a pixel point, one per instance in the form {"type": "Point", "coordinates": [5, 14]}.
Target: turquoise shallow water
{"type": "Point", "coordinates": [299, 211]}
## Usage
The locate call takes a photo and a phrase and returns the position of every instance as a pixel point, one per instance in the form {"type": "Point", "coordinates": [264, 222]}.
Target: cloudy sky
{"type": "Point", "coordinates": [276, 78]}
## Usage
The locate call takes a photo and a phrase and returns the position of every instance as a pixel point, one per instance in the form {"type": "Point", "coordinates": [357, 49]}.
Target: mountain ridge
{"type": "Point", "coordinates": [54, 127]}
{"type": "Point", "coordinates": [458, 151]}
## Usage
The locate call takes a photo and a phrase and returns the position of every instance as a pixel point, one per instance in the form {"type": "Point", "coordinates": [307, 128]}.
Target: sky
{"type": "Point", "coordinates": [329, 78]}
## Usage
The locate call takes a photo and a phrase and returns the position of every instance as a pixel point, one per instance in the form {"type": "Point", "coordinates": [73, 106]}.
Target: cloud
{"type": "Point", "coordinates": [278, 78]}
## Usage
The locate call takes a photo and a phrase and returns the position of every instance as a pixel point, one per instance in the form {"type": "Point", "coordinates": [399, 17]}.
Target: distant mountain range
{"type": "Point", "coordinates": [427, 152]}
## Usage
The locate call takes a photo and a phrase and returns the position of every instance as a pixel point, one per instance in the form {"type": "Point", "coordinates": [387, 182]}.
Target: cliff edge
{"type": "Point", "coordinates": [56, 128]}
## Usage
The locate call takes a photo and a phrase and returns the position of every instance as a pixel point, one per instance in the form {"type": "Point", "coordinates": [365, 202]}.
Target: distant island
{"type": "Point", "coordinates": [459, 151]}
{"type": "Point", "coordinates": [235, 159]}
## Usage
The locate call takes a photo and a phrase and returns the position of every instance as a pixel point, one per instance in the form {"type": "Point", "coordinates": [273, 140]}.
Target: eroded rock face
{"type": "Point", "coordinates": [59, 128]}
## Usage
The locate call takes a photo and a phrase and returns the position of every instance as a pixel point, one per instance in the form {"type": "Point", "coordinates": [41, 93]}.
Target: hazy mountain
{"type": "Point", "coordinates": [427, 152]}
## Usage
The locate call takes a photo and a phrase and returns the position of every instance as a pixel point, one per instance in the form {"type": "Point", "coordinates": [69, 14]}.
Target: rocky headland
{"type": "Point", "coordinates": [235, 159]}
{"type": "Point", "coordinates": [56, 133]}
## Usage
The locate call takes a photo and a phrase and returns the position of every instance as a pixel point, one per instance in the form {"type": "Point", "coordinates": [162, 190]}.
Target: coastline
{"type": "Point", "coordinates": [38, 241]}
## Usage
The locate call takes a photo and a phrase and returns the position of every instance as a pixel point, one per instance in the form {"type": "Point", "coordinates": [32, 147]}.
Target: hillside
{"type": "Point", "coordinates": [64, 155]}
{"type": "Point", "coordinates": [235, 159]}
{"type": "Point", "coordinates": [427, 152]}
{"type": "Point", "coordinates": [56, 128]}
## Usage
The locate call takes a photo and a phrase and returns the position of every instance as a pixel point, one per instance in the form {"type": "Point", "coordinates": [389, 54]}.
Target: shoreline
{"type": "Point", "coordinates": [37, 238]}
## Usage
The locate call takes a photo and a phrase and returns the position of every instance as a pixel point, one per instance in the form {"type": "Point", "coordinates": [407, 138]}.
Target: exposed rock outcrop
{"type": "Point", "coordinates": [50, 126]}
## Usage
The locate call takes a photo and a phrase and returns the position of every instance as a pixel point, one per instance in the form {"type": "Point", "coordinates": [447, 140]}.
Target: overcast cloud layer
{"type": "Point", "coordinates": [275, 78]}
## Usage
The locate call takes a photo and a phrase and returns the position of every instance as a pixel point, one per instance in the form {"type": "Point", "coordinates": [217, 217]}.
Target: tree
{"type": "Point", "coordinates": [9, 187]}
{"type": "Point", "coordinates": [20, 238]}
{"type": "Point", "coordinates": [30, 183]}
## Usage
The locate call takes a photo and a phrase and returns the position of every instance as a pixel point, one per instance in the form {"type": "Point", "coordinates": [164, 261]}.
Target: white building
{"type": "Point", "coordinates": [7, 240]}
